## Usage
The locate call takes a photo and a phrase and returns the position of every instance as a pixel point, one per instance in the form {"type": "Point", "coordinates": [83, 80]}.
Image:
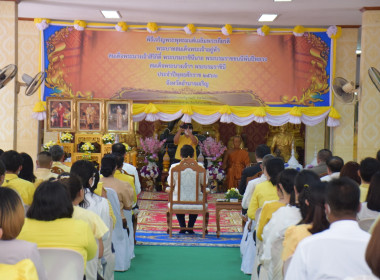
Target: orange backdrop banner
{"type": "Point", "coordinates": [206, 68]}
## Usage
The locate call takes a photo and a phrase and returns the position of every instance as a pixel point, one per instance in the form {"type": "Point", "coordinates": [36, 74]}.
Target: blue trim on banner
{"type": "Point", "coordinates": [48, 32]}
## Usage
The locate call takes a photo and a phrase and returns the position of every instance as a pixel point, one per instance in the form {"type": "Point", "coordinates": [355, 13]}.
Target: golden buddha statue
{"type": "Point", "coordinates": [282, 143]}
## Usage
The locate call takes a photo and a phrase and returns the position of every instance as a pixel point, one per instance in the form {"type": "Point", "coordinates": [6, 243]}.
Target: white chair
{"type": "Point", "coordinates": [366, 224]}
{"type": "Point", "coordinates": [62, 264]}
{"type": "Point", "coordinates": [188, 194]}
{"type": "Point", "coordinates": [120, 237]}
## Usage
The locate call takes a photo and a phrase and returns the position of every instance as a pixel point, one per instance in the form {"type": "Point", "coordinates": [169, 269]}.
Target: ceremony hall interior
{"type": "Point", "coordinates": [167, 139]}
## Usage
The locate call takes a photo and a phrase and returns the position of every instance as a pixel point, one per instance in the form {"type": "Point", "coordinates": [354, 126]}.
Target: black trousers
{"type": "Point", "coordinates": [182, 222]}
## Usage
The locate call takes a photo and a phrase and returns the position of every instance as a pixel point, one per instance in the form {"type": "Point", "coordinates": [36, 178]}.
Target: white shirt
{"type": "Point", "coordinates": [283, 218]}
{"type": "Point", "coordinates": [331, 176]}
{"type": "Point", "coordinates": [366, 213]}
{"type": "Point", "coordinates": [130, 169]}
{"type": "Point", "coordinates": [335, 253]}
{"type": "Point", "coordinates": [99, 205]}
{"type": "Point", "coordinates": [249, 190]}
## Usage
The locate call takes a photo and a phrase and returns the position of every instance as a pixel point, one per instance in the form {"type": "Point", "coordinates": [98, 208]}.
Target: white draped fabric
{"type": "Point", "coordinates": [274, 120]}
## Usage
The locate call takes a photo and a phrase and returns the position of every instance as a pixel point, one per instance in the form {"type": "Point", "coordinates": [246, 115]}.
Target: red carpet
{"type": "Point", "coordinates": [153, 208]}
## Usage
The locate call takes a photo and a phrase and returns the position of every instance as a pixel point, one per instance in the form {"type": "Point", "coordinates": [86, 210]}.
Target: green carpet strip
{"type": "Point", "coordinates": [184, 263]}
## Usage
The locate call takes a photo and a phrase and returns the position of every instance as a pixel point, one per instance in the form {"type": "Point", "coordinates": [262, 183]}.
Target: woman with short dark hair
{"type": "Point", "coordinates": [27, 171]}
{"type": "Point", "coordinates": [371, 207]}
{"type": "Point", "coordinates": [49, 222]}
{"type": "Point", "coordinates": [12, 219]}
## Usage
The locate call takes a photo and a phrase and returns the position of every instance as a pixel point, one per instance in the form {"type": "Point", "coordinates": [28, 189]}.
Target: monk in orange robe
{"type": "Point", "coordinates": [235, 160]}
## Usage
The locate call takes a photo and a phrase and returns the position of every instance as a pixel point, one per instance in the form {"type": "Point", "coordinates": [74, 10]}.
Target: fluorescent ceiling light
{"type": "Point", "coordinates": [267, 17]}
{"type": "Point", "coordinates": [282, 0]}
{"type": "Point", "coordinates": [111, 14]}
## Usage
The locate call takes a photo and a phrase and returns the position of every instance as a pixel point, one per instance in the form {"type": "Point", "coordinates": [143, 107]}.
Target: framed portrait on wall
{"type": "Point", "coordinates": [90, 115]}
{"type": "Point", "coordinates": [119, 116]}
{"type": "Point", "coordinates": [60, 114]}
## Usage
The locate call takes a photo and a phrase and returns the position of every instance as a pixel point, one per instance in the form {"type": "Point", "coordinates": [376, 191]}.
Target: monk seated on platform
{"type": "Point", "coordinates": [234, 162]}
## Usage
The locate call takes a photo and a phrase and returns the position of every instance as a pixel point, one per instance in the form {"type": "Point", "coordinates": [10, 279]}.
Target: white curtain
{"type": "Point", "coordinates": [241, 121]}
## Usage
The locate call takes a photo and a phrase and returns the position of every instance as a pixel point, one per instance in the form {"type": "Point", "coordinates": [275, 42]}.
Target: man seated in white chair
{"type": "Point", "coordinates": [187, 151]}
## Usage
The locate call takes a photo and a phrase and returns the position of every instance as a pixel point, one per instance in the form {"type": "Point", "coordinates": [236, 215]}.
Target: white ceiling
{"type": "Point", "coordinates": [203, 12]}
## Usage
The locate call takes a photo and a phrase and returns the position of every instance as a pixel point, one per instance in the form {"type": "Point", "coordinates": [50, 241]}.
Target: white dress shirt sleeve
{"type": "Point", "coordinates": [297, 267]}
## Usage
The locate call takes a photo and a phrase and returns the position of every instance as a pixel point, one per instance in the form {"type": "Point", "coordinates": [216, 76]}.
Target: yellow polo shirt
{"type": "Point", "coordinates": [98, 227]}
{"type": "Point", "coordinates": [64, 233]}
{"type": "Point", "coordinates": [264, 191]}
{"type": "Point", "coordinates": [24, 188]}
{"type": "Point", "coordinates": [363, 192]}
{"type": "Point", "coordinates": [185, 140]}
{"type": "Point", "coordinates": [129, 179]}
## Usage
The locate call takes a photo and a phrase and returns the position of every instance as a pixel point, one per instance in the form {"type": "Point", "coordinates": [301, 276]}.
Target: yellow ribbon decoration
{"type": "Point", "coordinates": [192, 28]}
{"type": "Point", "coordinates": [80, 23]}
{"type": "Point", "coordinates": [39, 20]}
{"type": "Point", "coordinates": [152, 26]}
{"type": "Point", "coordinates": [299, 29]}
{"type": "Point", "coordinates": [260, 112]}
{"type": "Point", "coordinates": [265, 29]}
{"type": "Point", "coordinates": [296, 111]}
{"type": "Point", "coordinates": [334, 113]}
{"type": "Point", "coordinates": [39, 107]}
{"type": "Point", "coordinates": [338, 33]}
{"type": "Point", "coordinates": [151, 109]}
{"type": "Point", "coordinates": [228, 28]}
{"type": "Point", "coordinates": [187, 110]}
{"type": "Point", "coordinates": [123, 25]}
{"type": "Point", "coordinates": [225, 109]}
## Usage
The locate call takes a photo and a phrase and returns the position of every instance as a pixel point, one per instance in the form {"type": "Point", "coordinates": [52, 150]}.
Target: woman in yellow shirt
{"type": "Point", "coordinates": [285, 188]}
{"type": "Point", "coordinates": [266, 191]}
{"type": "Point", "coordinates": [312, 206]}
{"type": "Point", "coordinates": [13, 251]}
{"type": "Point", "coordinates": [49, 222]}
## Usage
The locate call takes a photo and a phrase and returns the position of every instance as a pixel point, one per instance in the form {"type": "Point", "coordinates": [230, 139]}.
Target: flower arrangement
{"type": "Point", "coordinates": [215, 172]}
{"type": "Point", "coordinates": [86, 148]}
{"type": "Point", "coordinates": [66, 137]}
{"type": "Point", "coordinates": [151, 147]}
{"type": "Point", "coordinates": [127, 147]}
{"type": "Point", "coordinates": [150, 171]}
{"type": "Point", "coordinates": [233, 194]}
{"type": "Point", "coordinates": [47, 145]}
{"type": "Point", "coordinates": [211, 148]}
{"type": "Point", "coordinates": [108, 138]}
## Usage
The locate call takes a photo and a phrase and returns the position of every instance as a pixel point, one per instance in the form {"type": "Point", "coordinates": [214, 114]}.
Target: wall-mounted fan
{"type": "Point", "coordinates": [31, 84]}
{"type": "Point", "coordinates": [7, 74]}
{"type": "Point", "coordinates": [344, 90]}
{"type": "Point", "coordinates": [374, 74]}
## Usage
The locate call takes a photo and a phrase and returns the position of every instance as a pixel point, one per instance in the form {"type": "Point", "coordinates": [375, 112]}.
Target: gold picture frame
{"type": "Point", "coordinates": [90, 114]}
{"type": "Point", "coordinates": [61, 114]}
{"type": "Point", "coordinates": [119, 116]}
